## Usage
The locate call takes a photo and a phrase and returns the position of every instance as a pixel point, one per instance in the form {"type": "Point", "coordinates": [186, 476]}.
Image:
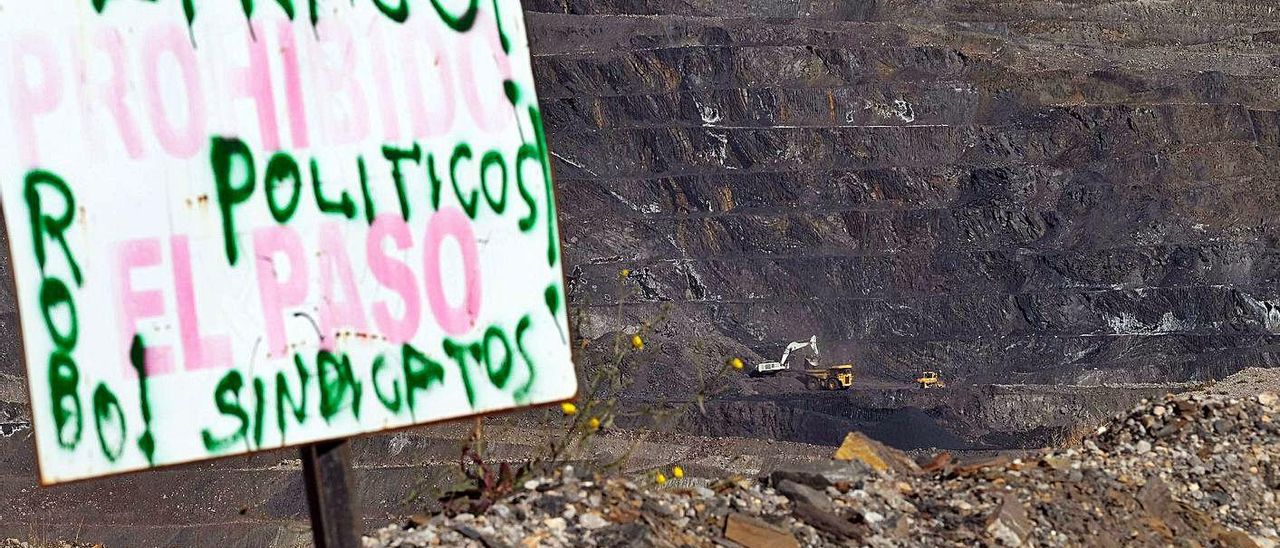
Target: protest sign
{"type": "Point", "coordinates": [246, 225]}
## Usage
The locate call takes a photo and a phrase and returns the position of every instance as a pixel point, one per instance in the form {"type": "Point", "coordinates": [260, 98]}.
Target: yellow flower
{"type": "Point", "coordinates": [678, 472]}
{"type": "Point", "coordinates": [637, 342]}
{"type": "Point", "coordinates": [594, 423]}
{"type": "Point", "coordinates": [569, 409]}
{"type": "Point", "coordinates": [736, 363]}
{"type": "Point", "coordinates": [660, 479]}
{"type": "Point", "coordinates": [625, 272]}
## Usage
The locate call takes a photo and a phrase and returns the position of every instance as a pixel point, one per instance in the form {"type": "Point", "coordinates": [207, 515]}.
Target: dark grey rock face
{"type": "Point", "coordinates": [1047, 192]}
{"type": "Point", "coordinates": [1006, 191]}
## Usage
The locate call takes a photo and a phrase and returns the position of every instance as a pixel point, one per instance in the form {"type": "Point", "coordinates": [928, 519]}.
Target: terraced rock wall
{"type": "Point", "coordinates": [1016, 192]}
{"type": "Point", "coordinates": [981, 418]}
{"type": "Point", "coordinates": [1030, 191]}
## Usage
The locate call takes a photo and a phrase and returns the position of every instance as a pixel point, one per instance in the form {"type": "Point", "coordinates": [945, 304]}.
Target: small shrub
{"type": "Point", "coordinates": [579, 423]}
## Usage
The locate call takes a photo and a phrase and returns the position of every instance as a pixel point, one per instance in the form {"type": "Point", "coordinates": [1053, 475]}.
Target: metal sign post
{"type": "Point", "coordinates": [331, 499]}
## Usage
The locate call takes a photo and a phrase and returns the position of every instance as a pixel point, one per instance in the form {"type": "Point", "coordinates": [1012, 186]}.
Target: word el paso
{"type": "Point", "coordinates": [243, 181]}
{"type": "Point", "coordinates": [281, 192]}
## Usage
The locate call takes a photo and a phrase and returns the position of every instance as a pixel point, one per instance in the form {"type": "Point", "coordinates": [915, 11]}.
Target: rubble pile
{"type": "Point", "coordinates": [1194, 469]}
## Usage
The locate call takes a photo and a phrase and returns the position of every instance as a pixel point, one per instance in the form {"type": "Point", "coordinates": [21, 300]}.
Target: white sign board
{"type": "Point", "coordinates": [246, 225]}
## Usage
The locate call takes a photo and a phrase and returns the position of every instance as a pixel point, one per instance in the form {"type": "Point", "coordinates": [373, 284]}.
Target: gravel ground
{"type": "Point", "coordinates": [1248, 382]}
{"type": "Point", "coordinates": [15, 543]}
{"type": "Point", "coordinates": [1195, 469]}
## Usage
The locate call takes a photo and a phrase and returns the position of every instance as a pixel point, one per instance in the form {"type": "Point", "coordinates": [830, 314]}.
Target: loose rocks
{"type": "Point", "coordinates": [1197, 468]}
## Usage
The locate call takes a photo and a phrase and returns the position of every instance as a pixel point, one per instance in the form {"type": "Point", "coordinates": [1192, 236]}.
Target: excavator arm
{"type": "Point", "coordinates": [769, 368]}
{"type": "Point", "coordinates": [800, 345]}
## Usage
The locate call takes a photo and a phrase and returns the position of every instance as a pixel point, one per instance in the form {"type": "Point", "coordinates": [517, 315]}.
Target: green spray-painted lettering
{"type": "Point", "coordinates": [138, 357]}
{"type": "Point", "coordinates": [486, 361]}
{"type": "Point", "coordinates": [395, 156]}
{"type": "Point", "coordinates": [552, 298]}
{"type": "Point", "coordinates": [106, 408]}
{"type": "Point", "coordinates": [462, 151]}
{"type": "Point", "coordinates": [259, 408]}
{"type": "Point", "coordinates": [435, 182]}
{"type": "Point", "coordinates": [64, 385]}
{"type": "Point", "coordinates": [63, 372]}
{"type": "Point", "coordinates": [497, 368]}
{"type": "Point", "coordinates": [282, 167]}
{"type": "Point", "coordinates": [502, 34]}
{"type": "Point", "coordinates": [398, 13]}
{"type": "Point", "coordinates": [420, 373]}
{"type": "Point", "coordinates": [512, 90]}
{"type": "Point", "coordinates": [223, 154]}
{"type": "Point", "coordinates": [370, 212]}
{"type": "Point", "coordinates": [460, 23]}
{"type": "Point", "coordinates": [494, 158]}
{"type": "Point", "coordinates": [282, 182]}
{"type": "Point", "coordinates": [526, 152]}
{"type": "Point", "coordinates": [391, 403]}
{"type": "Point", "coordinates": [247, 7]}
{"type": "Point", "coordinates": [226, 397]}
{"type": "Point", "coordinates": [344, 206]}
{"type": "Point", "coordinates": [52, 226]}
{"type": "Point", "coordinates": [553, 239]}
{"type": "Point", "coordinates": [287, 6]}
{"type": "Point", "coordinates": [340, 385]}
{"type": "Point", "coordinates": [188, 13]}
{"type": "Point", "coordinates": [459, 354]}
{"type": "Point", "coordinates": [337, 381]}
{"type": "Point", "coordinates": [522, 394]}
{"type": "Point", "coordinates": [499, 375]}
{"type": "Point", "coordinates": [54, 295]}
{"type": "Point", "coordinates": [298, 406]}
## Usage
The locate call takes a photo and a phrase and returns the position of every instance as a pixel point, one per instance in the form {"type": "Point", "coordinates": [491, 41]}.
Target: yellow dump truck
{"type": "Point", "coordinates": [838, 377]}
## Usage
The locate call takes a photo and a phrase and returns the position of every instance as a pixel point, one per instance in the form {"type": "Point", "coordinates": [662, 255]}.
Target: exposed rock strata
{"type": "Point", "coordinates": [1032, 192]}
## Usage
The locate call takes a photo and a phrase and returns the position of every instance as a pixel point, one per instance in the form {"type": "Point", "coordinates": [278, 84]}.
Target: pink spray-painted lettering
{"type": "Point", "coordinates": [279, 295]}
{"type": "Point", "coordinates": [454, 320]}
{"type": "Point", "coordinates": [181, 142]}
{"type": "Point", "coordinates": [340, 308]}
{"type": "Point", "coordinates": [135, 305]}
{"type": "Point", "coordinates": [30, 99]}
{"type": "Point", "coordinates": [113, 93]}
{"type": "Point", "coordinates": [198, 352]}
{"type": "Point", "coordinates": [396, 276]}
{"type": "Point", "coordinates": [254, 82]}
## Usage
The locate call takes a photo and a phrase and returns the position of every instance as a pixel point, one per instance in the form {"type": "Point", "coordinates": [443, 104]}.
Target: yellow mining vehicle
{"type": "Point", "coordinates": [837, 377]}
{"type": "Point", "coordinates": [929, 379]}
